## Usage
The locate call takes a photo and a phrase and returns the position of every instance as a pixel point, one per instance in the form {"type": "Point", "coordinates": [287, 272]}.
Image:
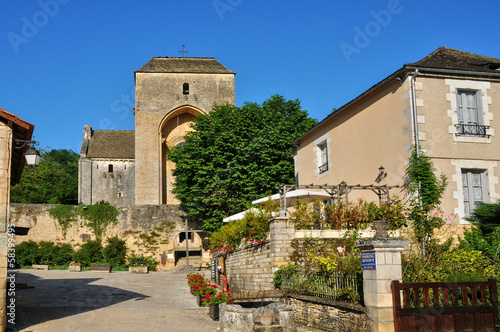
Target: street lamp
{"type": "Point", "coordinates": [32, 155]}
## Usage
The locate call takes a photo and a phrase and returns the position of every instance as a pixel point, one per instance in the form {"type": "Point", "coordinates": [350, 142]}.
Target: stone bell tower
{"type": "Point", "coordinates": [169, 93]}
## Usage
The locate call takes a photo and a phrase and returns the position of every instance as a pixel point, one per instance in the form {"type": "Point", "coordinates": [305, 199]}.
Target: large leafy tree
{"type": "Point", "coordinates": [235, 155]}
{"type": "Point", "coordinates": [54, 180]}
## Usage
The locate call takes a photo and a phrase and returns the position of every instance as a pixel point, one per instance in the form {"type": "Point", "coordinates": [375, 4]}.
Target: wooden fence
{"type": "Point", "coordinates": [445, 306]}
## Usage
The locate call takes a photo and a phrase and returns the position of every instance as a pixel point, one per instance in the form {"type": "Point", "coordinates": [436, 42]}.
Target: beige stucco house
{"type": "Point", "coordinates": [446, 105]}
{"type": "Point", "coordinates": [12, 162]}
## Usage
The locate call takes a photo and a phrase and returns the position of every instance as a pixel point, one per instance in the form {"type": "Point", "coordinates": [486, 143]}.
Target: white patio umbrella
{"type": "Point", "coordinates": [239, 216]}
{"type": "Point", "coordinates": [294, 195]}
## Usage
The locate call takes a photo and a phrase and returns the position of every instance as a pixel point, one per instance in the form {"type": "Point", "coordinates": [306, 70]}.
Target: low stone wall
{"type": "Point", "coordinates": [329, 315]}
{"type": "Point", "coordinates": [151, 230]}
{"type": "Point", "coordinates": [252, 268]}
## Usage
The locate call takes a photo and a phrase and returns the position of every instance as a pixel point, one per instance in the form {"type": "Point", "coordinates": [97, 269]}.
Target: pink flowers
{"type": "Point", "coordinates": [340, 249]}
{"type": "Point", "coordinates": [368, 229]}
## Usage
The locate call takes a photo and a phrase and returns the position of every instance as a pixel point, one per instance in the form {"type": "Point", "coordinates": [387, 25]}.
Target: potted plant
{"type": "Point", "coordinates": [100, 267]}
{"type": "Point", "coordinates": [197, 283]}
{"type": "Point", "coordinates": [212, 299]}
{"type": "Point", "coordinates": [75, 267]}
{"type": "Point", "coordinates": [142, 269]}
{"type": "Point", "coordinates": [141, 264]}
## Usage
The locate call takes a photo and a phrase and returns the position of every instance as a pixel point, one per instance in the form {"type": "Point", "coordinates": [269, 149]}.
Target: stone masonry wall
{"type": "Point", "coordinates": [150, 230]}
{"type": "Point", "coordinates": [252, 268]}
{"type": "Point", "coordinates": [329, 316]}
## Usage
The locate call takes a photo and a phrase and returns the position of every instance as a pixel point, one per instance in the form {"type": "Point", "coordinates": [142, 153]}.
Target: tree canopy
{"type": "Point", "coordinates": [54, 180]}
{"type": "Point", "coordinates": [235, 155]}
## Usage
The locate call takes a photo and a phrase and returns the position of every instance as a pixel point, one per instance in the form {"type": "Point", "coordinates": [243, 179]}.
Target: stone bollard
{"type": "Point", "coordinates": [381, 263]}
{"type": "Point", "coordinates": [235, 319]}
{"type": "Point", "coordinates": [285, 319]}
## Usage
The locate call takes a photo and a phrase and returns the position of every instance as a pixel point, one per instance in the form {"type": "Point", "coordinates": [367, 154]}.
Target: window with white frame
{"type": "Point", "coordinates": [323, 160]}
{"type": "Point", "coordinates": [470, 114]}
{"type": "Point", "coordinates": [474, 183]}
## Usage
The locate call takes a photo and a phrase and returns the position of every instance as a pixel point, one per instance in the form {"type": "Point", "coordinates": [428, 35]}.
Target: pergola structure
{"type": "Point", "coordinates": [337, 192]}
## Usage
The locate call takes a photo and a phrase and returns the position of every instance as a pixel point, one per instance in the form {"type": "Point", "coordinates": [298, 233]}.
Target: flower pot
{"type": "Point", "coordinates": [266, 320]}
{"type": "Point", "coordinates": [199, 300]}
{"type": "Point", "coordinates": [100, 268]}
{"type": "Point", "coordinates": [213, 312]}
{"type": "Point", "coordinates": [138, 269]}
{"type": "Point", "coordinates": [75, 268]}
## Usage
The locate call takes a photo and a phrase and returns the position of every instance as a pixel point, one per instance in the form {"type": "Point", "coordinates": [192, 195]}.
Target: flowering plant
{"type": "Point", "coordinates": [256, 238]}
{"type": "Point", "coordinates": [74, 263]}
{"type": "Point", "coordinates": [213, 297]}
{"type": "Point", "coordinates": [222, 248]}
{"type": "Point", "coordinates": [197, 283]}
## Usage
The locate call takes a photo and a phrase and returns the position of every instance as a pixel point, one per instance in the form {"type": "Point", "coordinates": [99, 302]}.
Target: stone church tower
{"type": "Point", "coordinates": [128, 168]}
{"type": "Point", "coordinates": [170, 92]}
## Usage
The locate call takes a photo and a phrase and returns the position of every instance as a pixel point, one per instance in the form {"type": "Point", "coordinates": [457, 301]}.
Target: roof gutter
{"type": "Point", "coordinates": [452, 71]}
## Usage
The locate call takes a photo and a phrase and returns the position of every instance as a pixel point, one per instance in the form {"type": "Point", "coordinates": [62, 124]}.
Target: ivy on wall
{"type": "Point", "coordinates": [65, 216]}
{"type": "Point", "coordinates": [98, 217]}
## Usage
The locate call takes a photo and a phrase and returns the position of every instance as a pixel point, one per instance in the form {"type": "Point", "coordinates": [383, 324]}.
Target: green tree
{"type": "Point", "coordinates": [54, 180]}
{"type": "Point", "coordinates": [235, 155]}
{"type": "Point", "coordinates": [486, 216]}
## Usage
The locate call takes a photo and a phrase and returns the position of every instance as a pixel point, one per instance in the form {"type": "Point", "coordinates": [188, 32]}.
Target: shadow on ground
{"type": "Point", "coordinates": [52, 299]}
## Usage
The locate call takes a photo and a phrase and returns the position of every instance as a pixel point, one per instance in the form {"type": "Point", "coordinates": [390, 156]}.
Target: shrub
{"type": "Point", "coordinates": [90, 252]}
{"type": "Point", "coordinates": [140, 260]}
{"type": "Point", "coordinates": [27, 253]}
{"type": "Point", "coordinates": [115, 252]}
{"type": "Point", "coordinates": [486, 216]}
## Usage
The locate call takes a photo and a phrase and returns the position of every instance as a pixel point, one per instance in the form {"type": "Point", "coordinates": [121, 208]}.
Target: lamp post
{"type": "Point", "coordinates": [32, 156]}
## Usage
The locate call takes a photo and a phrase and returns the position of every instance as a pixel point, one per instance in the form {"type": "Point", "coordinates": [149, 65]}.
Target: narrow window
{"type": "Point", "coordinates": [185, 89]}
{"type": "Point", "coordinates": [474, 187]}
{"type": "Point", "coordinates": [323, 164]}
{"type": "Point", "coordinates": [110, 168]}
{"type": "Point", "coordinates": [470, 114]}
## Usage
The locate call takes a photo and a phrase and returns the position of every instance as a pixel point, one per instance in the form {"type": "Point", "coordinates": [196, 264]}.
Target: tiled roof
{"type": "Point", "coordinates": [184, 65]}
{"type": "Point", "coordinates": [116, 144]}
{"type": "Point", "coordinates": [448, 58]}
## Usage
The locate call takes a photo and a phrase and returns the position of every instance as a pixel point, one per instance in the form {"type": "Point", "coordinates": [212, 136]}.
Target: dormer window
{"type": "Point", "coordinates": [185, 89]}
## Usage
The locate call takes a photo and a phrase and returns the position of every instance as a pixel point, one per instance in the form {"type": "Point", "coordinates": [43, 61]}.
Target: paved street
{"type": "Point", "coordinates": [118, 301]}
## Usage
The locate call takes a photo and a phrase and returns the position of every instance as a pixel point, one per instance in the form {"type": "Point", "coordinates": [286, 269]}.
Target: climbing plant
{"type": "Point", "coordinates": [65, 216]}
{"type": "Point", "coordinates": [98, 217]}
{"type": "Point", "coordinates": [425, 191]}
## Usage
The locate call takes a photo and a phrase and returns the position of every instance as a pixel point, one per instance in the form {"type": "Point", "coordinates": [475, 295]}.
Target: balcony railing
{"type": "Point", "coordinates": [323, 168]}
{"type": "Point", "coordinates": [471, 130]}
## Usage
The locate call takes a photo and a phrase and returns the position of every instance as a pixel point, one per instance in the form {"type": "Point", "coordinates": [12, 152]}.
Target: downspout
{"type": "Point", "coordinates": [414, 110]}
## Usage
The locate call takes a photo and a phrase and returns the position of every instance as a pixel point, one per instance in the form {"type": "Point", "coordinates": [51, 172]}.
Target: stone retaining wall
{"type": "Point", "coordinates": [329, 315]}
{"type": "Point", "coordinates": [150, 230]}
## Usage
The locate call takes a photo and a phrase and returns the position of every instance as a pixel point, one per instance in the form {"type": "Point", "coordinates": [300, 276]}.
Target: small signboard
{"type": "Point", "coordinates": [368, 262]}
{"type": "Point", "coordinates": [170, 256]}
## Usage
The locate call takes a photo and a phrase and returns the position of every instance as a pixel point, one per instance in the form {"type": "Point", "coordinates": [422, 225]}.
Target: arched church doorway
{"type": "Point", "coordinates": [172, 131]}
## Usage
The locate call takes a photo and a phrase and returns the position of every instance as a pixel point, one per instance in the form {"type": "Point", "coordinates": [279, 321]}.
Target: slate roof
{"type": "Point", "coordinates": [448, 58]}
{"type": "Point", "coordinates": [115, 144]}
{"type": "Point", "coordinates": [184, 65]}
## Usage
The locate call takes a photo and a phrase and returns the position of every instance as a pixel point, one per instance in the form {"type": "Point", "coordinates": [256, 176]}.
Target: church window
{"type": "Point", "coordinates": [185, 89]}
{"type": "Point", "coordinates": [110, 168]}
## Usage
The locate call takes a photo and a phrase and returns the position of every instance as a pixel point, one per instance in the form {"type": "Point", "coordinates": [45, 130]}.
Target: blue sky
{"type": "Point", "coordinates": [67, 63]}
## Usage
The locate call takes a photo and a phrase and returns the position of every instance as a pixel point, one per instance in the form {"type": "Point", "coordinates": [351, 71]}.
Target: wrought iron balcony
{"type": "Point", "coordinates": [323, 168]}
{"type": "Point", "coordinates": [471, 130]}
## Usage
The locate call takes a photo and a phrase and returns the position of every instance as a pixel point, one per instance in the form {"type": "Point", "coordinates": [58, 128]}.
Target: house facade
{"type": "Point", "coordinates": [444, 105]}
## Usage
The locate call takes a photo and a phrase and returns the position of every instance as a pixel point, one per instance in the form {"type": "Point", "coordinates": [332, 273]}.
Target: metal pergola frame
{"type": "Point", "coordinates": [337, 192]}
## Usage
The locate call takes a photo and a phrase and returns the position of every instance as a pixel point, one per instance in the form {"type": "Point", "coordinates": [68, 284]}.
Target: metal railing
{"type": "Point", "coordinates": [334, 286]}
{"type": "Point", "coordinates": [323, 168]}
{"type": "Point", "coordinates": [471, 130]}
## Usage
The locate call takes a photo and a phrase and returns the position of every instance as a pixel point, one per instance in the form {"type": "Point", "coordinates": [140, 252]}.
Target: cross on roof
{"type": "Point", "coordinates": [183, 51]}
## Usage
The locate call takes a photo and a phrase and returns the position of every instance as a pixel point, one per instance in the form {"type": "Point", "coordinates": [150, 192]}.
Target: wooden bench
{"type": "Point", "coordinates": [40, 267]}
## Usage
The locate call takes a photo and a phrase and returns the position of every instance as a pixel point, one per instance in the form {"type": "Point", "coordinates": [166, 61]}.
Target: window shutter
{"type": "Point", "coordinates": [460, 113]}
{"type": "Point", "coordinates": [486, 191]}
{"type": "Point", "coordinates": [479, 105]}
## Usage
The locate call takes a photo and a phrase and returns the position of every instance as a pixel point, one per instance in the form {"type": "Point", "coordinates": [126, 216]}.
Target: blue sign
{"type": "Point", "coordinates": [368, 262]}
